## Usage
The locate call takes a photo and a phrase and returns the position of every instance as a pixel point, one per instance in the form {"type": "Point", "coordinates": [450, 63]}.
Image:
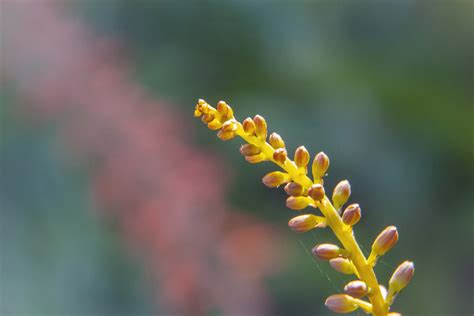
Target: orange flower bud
{"type": "Point", "coordinates": [356, 289]}
{"type": "Point", "coordinates": [294, 189]}
{"type": "Point", "coordinates": [297, 202]}
{"type": "Point", "coordinates": [342, 265]}
{"type": "Point", "coordinates": [401, 277]}
{"type": "Point", "coordinates": [316, 192]}
{"type": "Point", "coordinates": [229, 126]}
{"type": "Point", "coordinates": [249, 150]}
{"type": "Point", "coordinates": [320, 165]}
{"type": "Point", "coordinates": [207, 118]}
{"type": "Point", "coordinates": [276, 141]}
{"type": "Point", "coordinates": [214, 125]}
{"type": "Point", "coordinates": [275, 179]}
{"type": "Point", "coordinates": [385, 241]}
{"type": "Point", "coordinates": [248, 125]}
{"type": "Point", "coordinates": [341, 303]}
{"type": "Point", "coordinates": [226, 135]}
{"type": "Point", "coordinates": [225, 110]}
{"type": "Point", "coordinates": [326, 251]}
{"type": "Point", "coordinates": [341, 194]}
{"type": "Point", "coordinates": [280, 155]}
{"type": "Point", "coordinates": [303, 223]}
{"type": "Point", "coordinates": [351, 215]}
{"type": "Point", "coordinates": [301, 157]}
{"type": "Point", "coordinates": [255, 158]}
{"type": "Point", "coordinates": [260, 127]}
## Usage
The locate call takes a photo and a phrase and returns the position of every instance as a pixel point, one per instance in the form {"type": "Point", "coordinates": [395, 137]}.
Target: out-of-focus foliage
{"type": "Point", "coordinates": [384, 87]}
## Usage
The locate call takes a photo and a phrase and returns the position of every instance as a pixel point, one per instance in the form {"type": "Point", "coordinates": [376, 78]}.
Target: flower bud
{"type": "Point", "coordinates": [341, 303]}
{"type": "Point", "coordinates": [385, 241]}
{"type": "Point", "coordinates": [226, 135]}
{"type": "Point", "coordinates": [342, 265]}
{"type": "Point", "coordinates": [316, 192]}
{"type": "Point", "coordinates": [341, 194]}
{"type": "Point", "coordinates": [207, 118]}
{"type": "Point", "coordinates": [275, 179]}
{"type": "Point", "coordinates": [276, 141]}
{"type": "Point", "coordinates": [303, 223]}
{"type": "Point", "coordinates": [401, 277]}
{"type": "Point", "coordinates": [229, 126]}
{"type": "Point", "coordinates": [214, 125]}
{"type": "Point", "coordinates": [297, 202]}
{"type": "Point", "coordinates": [301, 157]}
{"type": "Point", "coordinates": [260, 126]}
{"type": "Point", "coordinates": [248, 125]}
{"type": "Point", "coordinates": [356, 289]}
{"type": "Point", "coordinates": [279, 155]}
{"type": "Point", "coordinates": [320, 165]}
{"type": "Point", "coordinates": [255, 158]}
{"type": "Point", "coordinates": [326, 251]}
{"type": "Point", "coordinates": [225, 110]}
{"type": "Point", "coordinates": [294, 189]}
{"type": "Point", "coordinates": [202, 102]}
{"type": "Point", "coordinates": [249, 150]}
{"type": "Point", "coordinates": [351, 215]}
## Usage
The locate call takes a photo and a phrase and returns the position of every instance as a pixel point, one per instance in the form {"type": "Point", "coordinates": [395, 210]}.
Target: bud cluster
{"type": "Point", "coordinates": [303, 192]}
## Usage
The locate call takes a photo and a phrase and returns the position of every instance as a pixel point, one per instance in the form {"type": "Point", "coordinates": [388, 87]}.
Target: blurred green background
{"type": "Point", "coordinates": [385, 88]}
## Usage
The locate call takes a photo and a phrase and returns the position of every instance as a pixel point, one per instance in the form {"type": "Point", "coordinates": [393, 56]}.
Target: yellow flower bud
{"type": "Point", "coordinates": [214, 125]}
{"type": "Point", "coordinates": [316, 192]}
{"type": "Point", "coordinates": [303, 223]}
{"type": "Point", "coordinates": [294, 189]}
{"type": "Point", "coordinates": [401, 277]}
{"type": "Point", "coordinates": [356, 289]}
{"type": "Point", "coordinates": [341, 303]}
{"type": "Point", "coordinates": [341, 194]}
{"type": "Point", "coordinates": [326, 251]}
{"type": "Point", "coordinates": [229, 126]}
{"type": "Point", "coordinates": [297, 202]}
{"type": "Point", "coordinates": [351, 215]}
{"type": "Point", "coordinates": [260, 127]}
{"type": "Point", "coordinates": [226, 135]}
{"type": "Point", "coordinates": [225, 110]}
{"type": "Point", "coordinates": [342, 265]}
{"type": "Point", "coordinates": [248, 126]}
{"type": "Point", "coordinates": [301, 157]}
{"type": "Point", "coordinates": [385, 241]}
{"type": "Point", "coordinates": [249, 150]}
{"type": "Point", "coordinates": [276, 141]}
{"type": "Point", "coordinates": [275, 179]}
{"type": "Point", "coordinates": [207, 118]}
{"type": "Point", "coordinates": [280, 155]}
{"type": "Point", "coordinates": [255, 158]}
{"type": "Point", "coordinates": [320, 165]}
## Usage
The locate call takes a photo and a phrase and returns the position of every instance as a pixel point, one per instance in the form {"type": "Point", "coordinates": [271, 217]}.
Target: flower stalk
{"type": "Point", "coordinates": [305, 192]}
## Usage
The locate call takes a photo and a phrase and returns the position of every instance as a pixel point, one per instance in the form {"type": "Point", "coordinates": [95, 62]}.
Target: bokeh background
{"type": "Point", "coordinates": [115, 201]}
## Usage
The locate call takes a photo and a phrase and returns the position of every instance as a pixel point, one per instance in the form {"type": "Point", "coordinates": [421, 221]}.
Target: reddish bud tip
{"type": "Point", "coordinates": [260, 127]}
{"type": "Point", "coordinates": [341, 303]}
{"type": "Point", "coordinates": [248, 126]}
{"type": "Point", "coordinates": [401, 277]}
{"type": "Point", "coordinates": [385, 240]}
{"type": "Point", "coordinates": [297, 202]}
{"type": "Point", "coordinates": [320, 165]}
{"type": "Point", "coordinates": [356, 289]}
{"type": "Point", "coordinates": [303, 223]}
{"type": "Point", "coordinates": [226, 135]}
{"type": "Point", "coordinates": [276, 141]}
{"type": "Point", "coordinates": [249, 150]}
{"type": "Point", "coordinates": [341, 194]}
{"type": "Point", "coordinates": [301, 157]}
{"type": "Point", "coordinates": [316, 192]}
{"type": "Point", "coordinates": [294, 189]}
{"type": "Point", "coordinates": [280, 155]}
{"type": "Point", "coordinates": [326, 251]}
{"type": "Point", "coordinates": [351, 215]}
{"type": "Point", "coordinates": [275, 179]}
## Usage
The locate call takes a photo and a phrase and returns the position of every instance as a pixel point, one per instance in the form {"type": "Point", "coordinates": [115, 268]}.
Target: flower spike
{"type": "Point", "coordinates": [306, 192]}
